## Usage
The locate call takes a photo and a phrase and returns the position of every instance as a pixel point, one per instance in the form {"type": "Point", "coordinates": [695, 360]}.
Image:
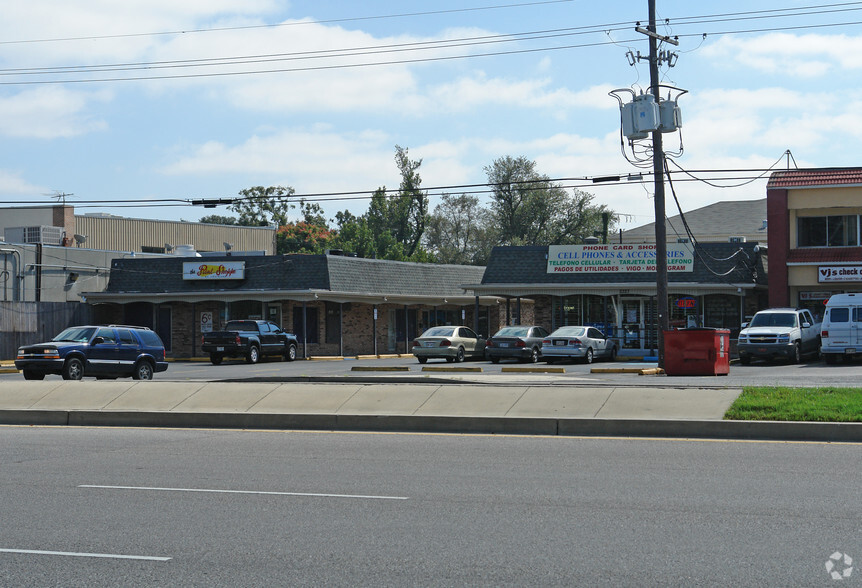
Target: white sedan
{"type": "Point", "coordinates": [584, 343]}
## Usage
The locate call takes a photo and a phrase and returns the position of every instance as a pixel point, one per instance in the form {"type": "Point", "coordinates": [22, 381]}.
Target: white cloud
{"type": "Point", "coordinates": [801, 56]}
{"type": "Point", "coordinates": [12, 183]}
{"type": "Point", "coordinates": [49, 113]}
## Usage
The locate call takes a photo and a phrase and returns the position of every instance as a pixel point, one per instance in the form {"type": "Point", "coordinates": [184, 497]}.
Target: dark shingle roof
{"type": "Point", "coordinates": [296, 272]}
{"type": "Point", "coordinates": [714, 222]}
{"type": "Point", "coordinates": [528, 265]}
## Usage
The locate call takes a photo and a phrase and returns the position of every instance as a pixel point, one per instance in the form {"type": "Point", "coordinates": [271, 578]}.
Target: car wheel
{"type": "Point", "coordinates": [31, 375]}
{"type": "Point", "coordinates": [744, 360]}
{"type": "Point", "coordinates": [534, 355]}
{"type": "Point", "coordinates": [73, 369]}
{"type": "Point", "coordinates": [143, 370]}
{"type": "Point", "coordinates": [588, 356]}
{"type": "Point", "coordinates": [422, 359]}
{"type": "Point", "coordinates": [495, 360]}
{"type": "Point", "coordinates": [215, 358]}
{"type": "Point", "coordinates": [797, 354]}
{"type": "Point", "coordinates": [253, 355]}
{"type": "Point", "coordinates": [291, 353]}
{"type": "Point", "coordinates": [460, 357]}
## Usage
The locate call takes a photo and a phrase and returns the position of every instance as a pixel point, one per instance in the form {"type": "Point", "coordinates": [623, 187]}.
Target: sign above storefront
{"type": "Point", "coordinates": [224, 270]}
{"type": "Point", "coordinates": [686, 302]}
{"type": "Point", "coordinates": [617, 258]}
{"type": "Point", "coordinates": [839, 273]}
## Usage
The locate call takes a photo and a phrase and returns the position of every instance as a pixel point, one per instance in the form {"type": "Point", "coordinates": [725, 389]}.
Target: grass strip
{"type": "Point", "coordinates": [783, 403]}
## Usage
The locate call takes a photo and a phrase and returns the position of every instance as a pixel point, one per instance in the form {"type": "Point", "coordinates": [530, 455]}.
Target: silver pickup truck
{"type": "Point", "coordinates": [787, 333]}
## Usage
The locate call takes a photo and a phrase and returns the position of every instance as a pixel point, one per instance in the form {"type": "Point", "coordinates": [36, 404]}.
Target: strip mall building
{"type": "Point", "coordinates": [341, 305]}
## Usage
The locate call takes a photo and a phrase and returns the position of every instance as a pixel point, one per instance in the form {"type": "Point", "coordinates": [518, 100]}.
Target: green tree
{"type": "Point", "coordinates": [393, 225]}
{"type": "Point", "coordinates": [263, 207]}
{"type": "Point", "coordinates": [217, 219]}
{"type": "Point", "coordinates": [529, 209]}
{"type": "Point", "coordinates": [460, 231]}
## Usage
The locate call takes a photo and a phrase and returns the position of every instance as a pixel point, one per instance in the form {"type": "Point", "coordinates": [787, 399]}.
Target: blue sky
{"type": "Point", "coordinates": [757, 87]}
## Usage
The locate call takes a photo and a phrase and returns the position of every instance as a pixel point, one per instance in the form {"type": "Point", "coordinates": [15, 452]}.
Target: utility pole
{"type": "Point", "coordinates": [658, 172]}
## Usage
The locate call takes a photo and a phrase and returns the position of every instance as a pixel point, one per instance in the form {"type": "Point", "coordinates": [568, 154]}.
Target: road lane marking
{"type": "Point", "coordinates": [77, 554]}
{"type": "Point", "coordinates": [262, 492]}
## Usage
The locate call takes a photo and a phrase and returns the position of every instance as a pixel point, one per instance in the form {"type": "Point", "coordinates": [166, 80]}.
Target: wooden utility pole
{"type": "Point", "coordinates": [658, 172]}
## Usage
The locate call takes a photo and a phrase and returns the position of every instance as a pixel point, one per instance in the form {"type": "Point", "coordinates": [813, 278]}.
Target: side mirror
{"type": "Point", "coordinates": [98, 340]}
{"type": "Point", "coordinates": [806, 325]}
{"type": "Point", "coordinates": [743, 326]}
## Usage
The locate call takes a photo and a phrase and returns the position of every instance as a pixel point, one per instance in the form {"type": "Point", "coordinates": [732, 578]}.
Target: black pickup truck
{"type": "Point", "coordinates": [250, 339]}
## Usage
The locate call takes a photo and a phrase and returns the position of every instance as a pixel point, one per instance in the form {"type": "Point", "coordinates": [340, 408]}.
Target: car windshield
{"type": "Point", "coordinates": [512, 332]}
{"type": "Point", "coordinates": [76, 334]}
{"type": "Point", "coordinates": [774, 319]}
{"type": "Point", "coordinates": [439, 332]}
{"type": "Point", "coordinates": [569, 332]}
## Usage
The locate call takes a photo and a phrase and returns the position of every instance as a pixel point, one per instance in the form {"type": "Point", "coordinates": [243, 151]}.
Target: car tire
{"type": "Point", "coordinates": [215, 358]}
{"type": "Point", "coordinates": [422, 359]}
{"type": "Point", "coordinates": [290, 354]}
{"type": "Point", "coordinates": [460, 357]}
{"type": "Point", "coordinates": [495, 360]}
{"type": "Point", "coordinates": [744, 360]}
{"type": "Point", "coordinates": [797, 353]}
{"type": "Point", "coordinates": [143, 370]}
{"type": "Point", "coordinates": [31, 375]}
{"type": "Point", "coordinates": [73, 369]}
{"type": "Point", "coordinates": [253, 355]}
{"type": "Point", "coordinates": [534, 355]}
{"type": "Point", "coordinates": [588, 355]}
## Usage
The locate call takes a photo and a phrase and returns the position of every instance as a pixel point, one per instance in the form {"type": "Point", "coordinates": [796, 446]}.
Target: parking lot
{"type": "Point", "coordinates": [809, 373]}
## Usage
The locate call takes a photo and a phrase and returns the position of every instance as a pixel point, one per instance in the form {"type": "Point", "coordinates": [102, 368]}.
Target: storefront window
{"type": "Point", "coordinates": [246, 310]}
{"type": "Point", "coordinates": [722, 311]}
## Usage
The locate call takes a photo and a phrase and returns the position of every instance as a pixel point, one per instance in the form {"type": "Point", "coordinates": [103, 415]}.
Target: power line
{"type": "Point", "coordinates": [285, 24]}
{"type": "Point", "coordinates": [417, 46]}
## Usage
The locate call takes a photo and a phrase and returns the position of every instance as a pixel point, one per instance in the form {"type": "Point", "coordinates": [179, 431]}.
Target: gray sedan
{"type": "Point", "coordinates": [519, 342]}
{"type": "Point", "coordinates": [584, 343]}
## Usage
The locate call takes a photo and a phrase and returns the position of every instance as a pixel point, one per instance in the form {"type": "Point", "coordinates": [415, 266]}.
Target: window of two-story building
{"type": "Point", "coordinates": [828, 231]}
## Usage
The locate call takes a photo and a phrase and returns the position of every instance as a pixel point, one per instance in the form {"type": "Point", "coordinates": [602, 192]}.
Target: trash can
{"type": "Point", "coordinates": [697, 352]}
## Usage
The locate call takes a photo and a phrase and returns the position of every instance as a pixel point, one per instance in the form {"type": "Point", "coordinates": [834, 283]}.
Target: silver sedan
{"type": "Point", "coordinates": [584, 343]}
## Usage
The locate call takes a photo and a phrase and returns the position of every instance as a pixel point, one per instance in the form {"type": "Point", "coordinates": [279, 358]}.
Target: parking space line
{"type": "Point", "coordinates": [77, 554]}
{"type": "Point", "coordinates": [260, 492]}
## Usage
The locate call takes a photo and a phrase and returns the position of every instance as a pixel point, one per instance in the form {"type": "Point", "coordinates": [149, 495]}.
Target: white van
{"type": "Point", "coordinates": [841, 330]}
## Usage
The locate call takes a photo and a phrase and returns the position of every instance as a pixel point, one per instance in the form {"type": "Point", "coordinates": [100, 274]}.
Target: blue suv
{"type": "Point", "coordinates": [111, 351]}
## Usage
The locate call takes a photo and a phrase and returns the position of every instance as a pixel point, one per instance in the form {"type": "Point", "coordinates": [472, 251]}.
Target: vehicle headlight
{"type": "Point", "coordinates": [784, 338]}
{"type": "Point", "coordinates": [743, 339]}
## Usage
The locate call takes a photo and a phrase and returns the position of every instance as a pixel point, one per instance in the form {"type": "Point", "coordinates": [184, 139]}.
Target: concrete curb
{"type": "Point", "coordinates": [574, 427]}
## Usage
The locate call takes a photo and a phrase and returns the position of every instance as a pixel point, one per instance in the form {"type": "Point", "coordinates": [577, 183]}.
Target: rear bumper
{"type": "Point", "coordinates": [518, 352]}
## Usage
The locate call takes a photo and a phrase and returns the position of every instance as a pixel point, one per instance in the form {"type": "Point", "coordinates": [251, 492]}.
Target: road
{"type": "Point", "coordinates": [810, 373]}
{"type": "Point", "coordinates": [206, 508]}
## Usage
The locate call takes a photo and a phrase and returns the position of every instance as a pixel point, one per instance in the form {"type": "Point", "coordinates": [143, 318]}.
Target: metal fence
{"type": "Point", "coordinates": [23, 323]}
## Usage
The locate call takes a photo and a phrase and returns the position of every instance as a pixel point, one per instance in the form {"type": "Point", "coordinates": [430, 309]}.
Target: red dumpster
{"type": "Point", "coordinates": [697, 352]}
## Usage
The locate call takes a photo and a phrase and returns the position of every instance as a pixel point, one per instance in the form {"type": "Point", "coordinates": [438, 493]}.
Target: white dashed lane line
{"type": "Point", "coordinates": [259, 492]}
{"type": "Point", "coordinates": [78, 554]}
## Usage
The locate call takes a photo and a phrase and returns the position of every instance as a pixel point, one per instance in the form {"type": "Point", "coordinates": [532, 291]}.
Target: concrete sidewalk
{"type": "Point", "coordinates": [489, 408]}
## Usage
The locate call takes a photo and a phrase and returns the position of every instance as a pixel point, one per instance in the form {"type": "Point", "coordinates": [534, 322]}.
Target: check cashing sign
{"type": "Point", "coordinates": [620, 259]}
